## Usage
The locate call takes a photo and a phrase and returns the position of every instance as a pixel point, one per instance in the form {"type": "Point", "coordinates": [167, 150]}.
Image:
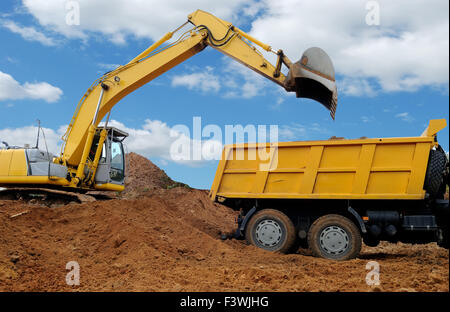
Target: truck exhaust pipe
{"type": "Point", "coordinates": [313, 77]}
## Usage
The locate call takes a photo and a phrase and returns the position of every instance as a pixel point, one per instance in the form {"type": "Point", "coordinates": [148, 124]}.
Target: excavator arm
{"type": "Point", "coordinates": [311, 77]}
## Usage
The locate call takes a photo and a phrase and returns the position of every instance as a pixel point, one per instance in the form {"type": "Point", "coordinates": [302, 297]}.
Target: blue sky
{"type": "Point", "coordinates": [391, 84]}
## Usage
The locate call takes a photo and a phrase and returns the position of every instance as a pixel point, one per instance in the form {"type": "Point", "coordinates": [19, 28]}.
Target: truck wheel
{"type": "Point", "coordinates": [435, 172]}
{"type": "Point", "coordinates": [271, 230]}
{"type": "Point", "coordinates": [334, 237]}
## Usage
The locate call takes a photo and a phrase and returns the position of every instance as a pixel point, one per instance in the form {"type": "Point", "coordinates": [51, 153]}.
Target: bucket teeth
{"type": "Point", "coordinates": [333, 105]}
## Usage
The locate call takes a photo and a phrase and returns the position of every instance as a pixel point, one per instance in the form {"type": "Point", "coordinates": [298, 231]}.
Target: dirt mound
{"type": "Point", "coordinates": [170, 242]}
{"type": "Point", "coordinates": [125, 238]}
{"type": "Point", "coordinates": [143, 176]}
{"type": "Point", "coordinates": [167, 239]}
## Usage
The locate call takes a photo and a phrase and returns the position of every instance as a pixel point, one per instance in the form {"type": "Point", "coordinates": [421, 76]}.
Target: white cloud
{"type": "Point", "coordinates": [297, 131]}
{"type": "Point", "coordinates": [368, 60]}
{"type": "Point", "coordinates": [28, 135]}
{"type": "Point", "coordinates": [10, 89]}
{"type": "Point", "coordinates": [117, 19]}
{"type": "Point", "coordinates": [28, 33]}
{"type": "Point", "coordinates": [405, 117]}
{"type": "Point", "coordinates": [235, 79]}
{"type": "Point", "coordinates": [204, 81]}
{"type": "Point", "coordinates": [244, 82]}
{"type": "Point", "coordinates": [356, 87]}
{"type": "Point", "coordinates": [409, 49]}
{"type": "Point", "coordinates": [155, 139]}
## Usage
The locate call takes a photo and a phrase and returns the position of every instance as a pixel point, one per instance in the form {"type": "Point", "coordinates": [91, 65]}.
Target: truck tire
{"type": "Point", "coordinates": [334, 237]}
{"type": "Point", "coordinates": [435, 173]}
{"type": "Point", "coordinates": [271, 230]}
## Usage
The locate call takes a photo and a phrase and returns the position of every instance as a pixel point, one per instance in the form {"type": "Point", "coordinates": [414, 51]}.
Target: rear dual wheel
{"type": "Point", "coordinates": [271, 230]}
{"type": "Point", "coordinates": [334, 237]}
{"type": "Point", "coordinates": [331, 236]}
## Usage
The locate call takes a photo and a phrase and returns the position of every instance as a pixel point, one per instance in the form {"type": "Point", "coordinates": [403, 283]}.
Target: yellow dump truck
{"type": "Point", "coordinates": [331, 195]}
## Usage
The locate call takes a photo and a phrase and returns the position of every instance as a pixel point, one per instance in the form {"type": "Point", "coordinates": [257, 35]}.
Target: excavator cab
{"type": "Point", "coordinates": [110, 174]}
{"type": "Point", "coordinates": [313, 77]}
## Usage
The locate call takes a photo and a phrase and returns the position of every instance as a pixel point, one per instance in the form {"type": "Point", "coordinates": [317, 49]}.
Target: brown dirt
{"type": "Point", "coordinates": [143, 176]}
{"type": "Point", "coordinates": [160, 239]}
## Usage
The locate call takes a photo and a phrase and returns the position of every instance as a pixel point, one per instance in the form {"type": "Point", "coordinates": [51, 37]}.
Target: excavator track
{"type": "Point", "coordinates": [45, 196]}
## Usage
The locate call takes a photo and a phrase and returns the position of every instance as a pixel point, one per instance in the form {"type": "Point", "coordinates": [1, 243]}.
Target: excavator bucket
{"type": "Point", "coordinates": [313, 77]}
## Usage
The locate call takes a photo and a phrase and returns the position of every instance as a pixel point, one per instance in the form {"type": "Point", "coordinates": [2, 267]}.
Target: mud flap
{"type": "Point", "coordinates": [241, 224]}
{"type": "Point", "coordinates": [313, 77]}
{"type": "Point", "coordinates": [358, 218]}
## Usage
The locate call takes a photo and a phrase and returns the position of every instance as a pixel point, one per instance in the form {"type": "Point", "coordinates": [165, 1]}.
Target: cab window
{"type": "Point", "coordinates": [117, 163]}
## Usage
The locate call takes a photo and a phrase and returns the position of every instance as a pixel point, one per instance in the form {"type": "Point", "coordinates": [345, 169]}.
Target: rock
{"type": "Point", "coordinates": [14, 258]}
{"type": "Point", "coordinates": [435, 277]}
{"type": "Point", "coordinates": [119, 241]}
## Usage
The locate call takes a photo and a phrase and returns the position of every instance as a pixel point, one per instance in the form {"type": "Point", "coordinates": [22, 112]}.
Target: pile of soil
{"type": "Point", "coordinates": [159, 238]}
{"type": "Point", "coordinates": [143, 176]}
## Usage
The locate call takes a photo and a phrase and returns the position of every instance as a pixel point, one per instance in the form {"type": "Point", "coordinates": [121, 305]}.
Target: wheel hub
{"type": "Point", "coordinates": [334, 240]}
{"type": "Point", "coordinates": [268, 233]}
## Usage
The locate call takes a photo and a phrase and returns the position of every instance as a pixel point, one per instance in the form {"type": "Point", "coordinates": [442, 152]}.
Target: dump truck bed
{"type": "Point", "coordinates": [381, 168]}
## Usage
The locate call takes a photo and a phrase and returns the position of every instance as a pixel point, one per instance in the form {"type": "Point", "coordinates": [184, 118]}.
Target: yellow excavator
{"type": "Point", "coordinates": [92, 157]}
